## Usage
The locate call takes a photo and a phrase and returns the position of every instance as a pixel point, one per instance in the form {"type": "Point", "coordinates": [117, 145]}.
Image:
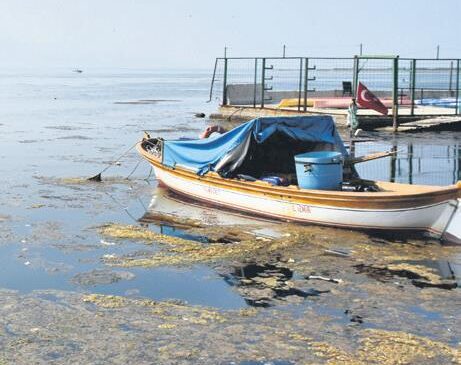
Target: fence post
{"type": "Point", "coordinates": [393, 161]}
{"type": "Point", "coordinates": [355, 76]}
{"type": "Point", "coordinates": [255, 83]}
{"type": "Point", "coordinates": [213, 79]}
{"type": "Point", "coordinates": [413, 86]}
{"type": "Point", "coordinates": [410, 163]}
{"type": "Point", "coordinates": [458, 149]}
{"type": "Point", "coordinates": [263, 81]}
{"type": "Point", "coordinates": [300, 83]}
{"type": "Point", "coordinates": [306, 71]}
{"type": "Point", "coordinates": [224, 90]}
{"type": "Point", "coordinates": [457, 87]}
{"type": "Point", "coordinates": [395, 94]}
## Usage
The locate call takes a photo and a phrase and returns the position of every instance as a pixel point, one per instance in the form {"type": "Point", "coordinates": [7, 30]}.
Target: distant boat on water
{"type": "Point", "coordinates": [77, 70]}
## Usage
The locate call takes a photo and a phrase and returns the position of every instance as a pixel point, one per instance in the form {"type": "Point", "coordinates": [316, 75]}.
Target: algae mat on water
{"type": "Point", "coordinates": [375, 346]}
{"type": "Point", "coordinates": [175, 250]}
{"type": "Point", "coordinates": [59, 327]}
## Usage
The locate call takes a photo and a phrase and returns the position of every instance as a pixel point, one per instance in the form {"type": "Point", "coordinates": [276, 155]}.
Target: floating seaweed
{"type": "Point", "coordinates": [182, 251]}
{"type": "Point", "coordinates": [419, 275]}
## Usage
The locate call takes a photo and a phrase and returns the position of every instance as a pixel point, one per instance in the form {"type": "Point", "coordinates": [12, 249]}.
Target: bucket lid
{"type": "Point", "coordinates": [319, 157]}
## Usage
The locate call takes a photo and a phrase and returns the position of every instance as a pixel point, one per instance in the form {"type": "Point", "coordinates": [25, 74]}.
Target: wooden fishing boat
{"type": "Point", "coordinates": [379, 205]}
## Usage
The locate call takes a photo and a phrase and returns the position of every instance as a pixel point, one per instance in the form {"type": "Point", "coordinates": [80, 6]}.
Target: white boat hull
{"type": "Point", "coordinates": [441, 218]}
{"type": "Point", "coordinates": [453, 230]}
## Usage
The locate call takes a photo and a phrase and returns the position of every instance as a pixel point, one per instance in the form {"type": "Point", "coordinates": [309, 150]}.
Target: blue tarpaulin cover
{"type": "Point", "coordinates": [203, 155]}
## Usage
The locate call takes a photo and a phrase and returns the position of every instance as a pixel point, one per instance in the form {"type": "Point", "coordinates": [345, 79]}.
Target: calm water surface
{"type": "Point", "coordinates": [58, 124]}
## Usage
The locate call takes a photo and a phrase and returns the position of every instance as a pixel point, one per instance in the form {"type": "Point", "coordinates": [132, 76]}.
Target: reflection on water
{"type": "Point", "coordinates": [175, 232]}
{"type": "Point", "coordinates": [431, 278]}
{"type": "Point", "coordinates": [270, 283]}
{"type": "Point", "coordinates": [447, 270]}
{"type": "Point", "coordinates": [263, 285]}
{"type": "Point", "coordinates": [417, 160]}
{"type": "Point", "coordinates": [45, 268]}
{"type": "Point", "coordinates": [185, 211]}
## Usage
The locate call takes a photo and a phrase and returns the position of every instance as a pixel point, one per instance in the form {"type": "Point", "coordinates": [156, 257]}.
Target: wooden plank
{"type": "Point", "coordinates": [370, 157]}
{"type": "Point", "coordinates": [429, 123]}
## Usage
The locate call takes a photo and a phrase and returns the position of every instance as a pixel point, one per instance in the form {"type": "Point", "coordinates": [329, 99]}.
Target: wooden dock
{"type": "Point", "coordinates": [428, 124]}
{"type": "Point", "coordinates": [427, 118]}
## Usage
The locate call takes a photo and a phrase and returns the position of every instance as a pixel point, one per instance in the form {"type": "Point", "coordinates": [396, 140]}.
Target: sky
{"type": "Point", "coordinates": [190, 34]}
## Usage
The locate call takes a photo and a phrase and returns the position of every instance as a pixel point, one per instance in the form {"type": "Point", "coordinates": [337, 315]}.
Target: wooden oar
{"type": "Point", "coordinates": [370, 157]}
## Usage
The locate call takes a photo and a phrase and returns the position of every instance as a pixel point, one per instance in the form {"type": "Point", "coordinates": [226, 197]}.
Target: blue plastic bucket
{"type": "Point", "coordinates": [322, 170]}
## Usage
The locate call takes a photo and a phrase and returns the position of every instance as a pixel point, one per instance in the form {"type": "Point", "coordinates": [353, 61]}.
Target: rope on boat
{"type": "Point", "coordinates": [136, 167]}
{"type": "Point", "coordinates": [132, 171]}
{"type": "Point", "coordinates": [150, 173]}
{"type": "Point", "coordinates": [233, 113]}
{"type": "Point", "coordinates": [122, 206]}
{"type": "Point", "coordinates": [98, 178]}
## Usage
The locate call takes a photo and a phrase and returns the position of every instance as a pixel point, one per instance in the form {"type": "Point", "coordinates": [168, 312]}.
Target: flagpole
{"type": "Point", "coordinates": [353, 124]}
{"type": "Point", "coordinates": [395, 96]}
{"type": "Point", "coordinates": [352, 111]}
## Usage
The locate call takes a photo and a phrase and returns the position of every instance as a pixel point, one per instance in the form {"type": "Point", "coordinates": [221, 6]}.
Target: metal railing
{"type": "Point", "coordinates": [411, 86]}
{"type": "Point", "coordinates": [425, 162]}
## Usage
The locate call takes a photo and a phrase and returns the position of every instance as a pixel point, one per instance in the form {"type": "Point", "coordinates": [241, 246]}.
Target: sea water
{"type": "Point", "coordinates": [58, 127]}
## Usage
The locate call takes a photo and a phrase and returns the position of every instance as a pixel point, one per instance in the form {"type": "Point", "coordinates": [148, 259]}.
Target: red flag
{"type": "Point", "coordinates": [366, 99]}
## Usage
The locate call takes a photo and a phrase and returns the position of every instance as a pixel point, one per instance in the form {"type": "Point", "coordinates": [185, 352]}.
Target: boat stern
{"type": "Point", "coordinates": [452, 232]}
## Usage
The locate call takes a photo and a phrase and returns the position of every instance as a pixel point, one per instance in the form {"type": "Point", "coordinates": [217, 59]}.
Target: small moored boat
{"type": "Point", "coordinates": [264, 167]}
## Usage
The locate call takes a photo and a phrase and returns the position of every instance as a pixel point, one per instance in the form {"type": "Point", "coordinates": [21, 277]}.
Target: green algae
{"type": "Point", "coordinates": [176, 330]}
{"type": "Point", "coordinates": [398, 347]}
{"type": "Point", "coordinates": [297, 247]}
{"type": "Point", "coordinates": [37, 206]}
{"type": "Point", "coordinates": [63, 181]}
{"type": "Point", "coordinates": [45, 231]}
{"type": "Point", "coordinates": [161, 309]}
{"type": "Point", "coordinates": [129, 330]}
{"type": "Point", "coordinates": [106, 301]}
{"type": "Point", "coordinates": [100, 277]}
{"type": "Point", "coordinates": [182, 251]}
{"type": "Point", "coordinates": [137, 233]}
{"type": "Point", "coordinates": [4, 218]}
{"type": "Point", "coordinates": [423, 275]}
{"type": "Point", "coordinates": [377, 346]}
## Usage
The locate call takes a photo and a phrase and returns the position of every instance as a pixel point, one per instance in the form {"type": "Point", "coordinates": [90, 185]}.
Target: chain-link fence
{"type": "Point", "coordinates": [406, 86]}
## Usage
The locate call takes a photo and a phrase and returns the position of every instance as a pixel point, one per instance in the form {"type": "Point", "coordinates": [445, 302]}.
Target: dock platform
{"type": "Point", "coordinates": [424, 118]}
{"type": "Point", "coordinates": [429, 124]}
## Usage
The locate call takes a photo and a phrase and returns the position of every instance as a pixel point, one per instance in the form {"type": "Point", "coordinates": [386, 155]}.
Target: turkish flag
{"type": "Point", "coordinates": [366, 99]}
